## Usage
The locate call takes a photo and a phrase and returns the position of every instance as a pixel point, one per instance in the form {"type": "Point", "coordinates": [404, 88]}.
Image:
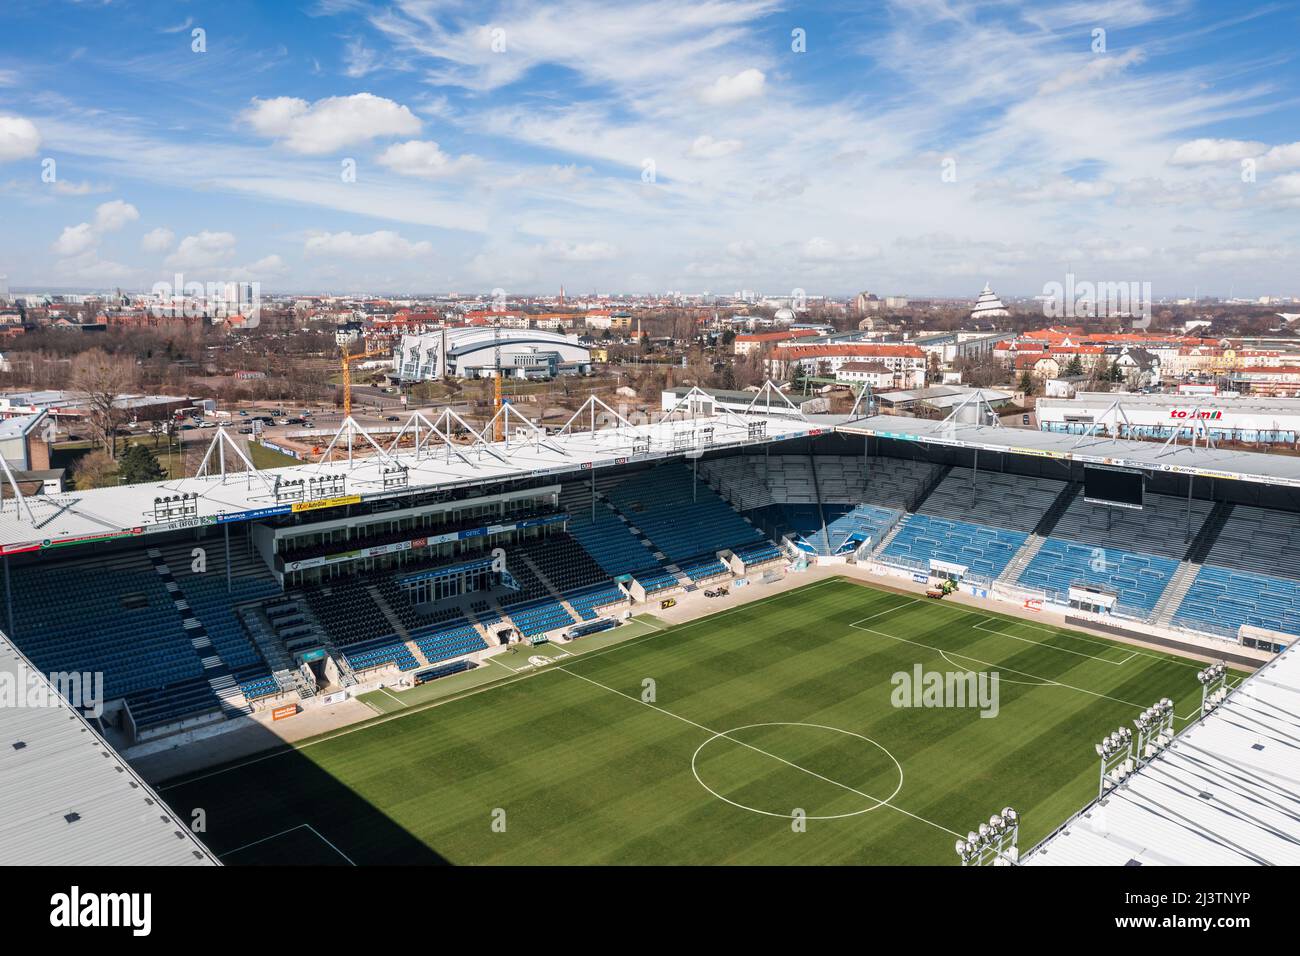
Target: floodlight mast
{"type": "Point", "coordinates": [1214, 686]}
{"type": "Point", "coordinates": [993, 843]}
{"type": "Point", "coordinates": [1116, 754]}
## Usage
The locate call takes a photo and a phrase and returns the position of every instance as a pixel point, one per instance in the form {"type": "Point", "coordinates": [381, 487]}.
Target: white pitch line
{"type": "Point", "coordinates": [940, 650]}
{"type": "Point", "coordinates": [274, 836]}
{"type": "Point", "coordinates": [387, 692]}
{"type": "Point", "coordinates": [1050, 647]}
{"type": "Point", "coordinates": [719, 733]}
{"type": "Point", "coordinates": [329, 844]}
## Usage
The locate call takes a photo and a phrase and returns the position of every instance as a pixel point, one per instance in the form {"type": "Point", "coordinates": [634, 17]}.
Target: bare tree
{"type": "Point", "coordinates": [95, 469]}
{"type": "Point", "coordinates": [100, 379]}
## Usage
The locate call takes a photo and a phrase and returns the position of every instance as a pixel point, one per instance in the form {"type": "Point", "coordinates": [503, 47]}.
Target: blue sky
{"type": "Point", "coordinates": [922, 147]}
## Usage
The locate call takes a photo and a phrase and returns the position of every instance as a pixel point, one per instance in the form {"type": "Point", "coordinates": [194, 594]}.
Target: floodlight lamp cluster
{"type": "Point", "coordinates": [1212, 673]}
{"type": "Point", "coordinates": [989, 836]}
{"type": "Point", "coordinates": [1155, 715]}
{"type": "Point", "coordinates": [1115, 743]}
{"type": "Point", "coordinates": [290, 489]}
{"type": "Point", "coordinates": [1214, 686]}
{"type": "Point", "coordinates": [185, 504]}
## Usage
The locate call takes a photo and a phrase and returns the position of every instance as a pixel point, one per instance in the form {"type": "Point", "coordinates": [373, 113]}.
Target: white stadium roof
{"type": "Point", "coordinates": [1225, 793]}
{"type": "Point", "coordinates": [44, 521]}
{"type": "Point", "coordinates": [67, 798]}
{"type": "Point", "coordinates": [1089, 449]}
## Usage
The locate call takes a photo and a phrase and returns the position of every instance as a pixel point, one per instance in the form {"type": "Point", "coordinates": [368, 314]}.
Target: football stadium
{"type": "Point", "coordinates": [719, 637]}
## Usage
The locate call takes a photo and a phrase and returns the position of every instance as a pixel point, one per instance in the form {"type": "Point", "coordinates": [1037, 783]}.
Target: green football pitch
{"type": "Point", "coordinates": [768, 733]}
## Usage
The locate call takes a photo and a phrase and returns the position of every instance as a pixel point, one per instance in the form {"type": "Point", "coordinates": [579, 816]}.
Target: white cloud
{"type": "Point", "coordinates": [360, 59]}
{"type": "Point", "coordinates": [203, 250]}
{"type": "Point", "coordinates": [725, 90]}
{"type": "Point", "coordinates": [19, 138]}
{"type": "Point", "coordinates": [112, 216]}
{"type": "Point", "coordinates": [1243, 254]}
{"type": "Point", "coordinates": [75, 240]}
{"type": "Point", "coordinates": [820, 249]}
{"type": "Point", "coordinates": [329, 124]}
{"type": "Point", "coordinates": [83, 237]}
{"type": "Point", "coordinates": [158, 240]}
{"type": "Point", "coordinates": [66, 187]}
{"type": "Point", "coordinates": [267, 267]}
{"type": "Point", "coordinates": [706, 147]}
{"type": "Point", "coordinates": [1199, 152]}
{"type": "Point", "coordinates": [425, 159]}
{"type": "Point", "coordinates": [383, 244]}
{"type": "Point", "coordinates": [1094, 70]}
{"type": "Point", "coordinates": [579, 251]}
{"type": "Point", "coordinates": [1281, 157]}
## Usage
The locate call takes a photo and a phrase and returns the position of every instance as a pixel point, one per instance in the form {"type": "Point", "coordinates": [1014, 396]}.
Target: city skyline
{"type": "Point", "coordinates": [637, 148]}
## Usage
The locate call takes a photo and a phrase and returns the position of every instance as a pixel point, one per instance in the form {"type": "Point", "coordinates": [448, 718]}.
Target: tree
{"type": "Point", "coordinates": [139, 464]}
{"type": "Point", "coordinates": [1026, 382]}
{"type": "Point", "coordinates": [1075, 366]}
{"type": "Point", "coordinates": [95, 469]}
{"type": "Point", "coordinates": [100, 379]}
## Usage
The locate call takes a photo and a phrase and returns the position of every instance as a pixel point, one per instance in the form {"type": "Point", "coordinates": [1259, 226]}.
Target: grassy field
{"type": "Point", "coordinates": [779, 705]}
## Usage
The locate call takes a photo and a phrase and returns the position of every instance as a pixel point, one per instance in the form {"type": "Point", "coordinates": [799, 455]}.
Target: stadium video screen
{"type": "Point", "coordinates": [1121, 487]}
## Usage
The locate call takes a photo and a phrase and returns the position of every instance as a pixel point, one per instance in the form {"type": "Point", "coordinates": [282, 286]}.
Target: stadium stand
{"type": "Point", "coordinates": [1251, 575]}
{"type": "Point", "coordinates": [606, 536]}
{"type": "Point", "coordinates": [1133, 553]}
{"type": "Point", "coordinates": [740, 480]}
{"type": "Point", "coordinates": [682, 518]}
{"type": "Point", "coordinates": [1221, 600]}
{"type": "Point", "coordinates": [124, 626]}
{"type": "Point", "coordinates": [976, 519]}
{"type": "Point", "coordinates": [214, 605]}
{"type": "Point", "coordinates": [381, 652]}
{"type": "Point", "coordinates": [757, 554]}
{"type": "Point", "coordinates": [444, 642]}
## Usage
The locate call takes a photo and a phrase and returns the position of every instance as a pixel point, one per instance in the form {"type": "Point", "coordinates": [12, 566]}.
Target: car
{"type": "Point", "coordinates": [393, 418]}
{"type": "Point", "coordinates": [208, 425]}
{"type": "Point", "coordinates": [246, 430]}
{"type": "Point", "coordinates": [243, 413]}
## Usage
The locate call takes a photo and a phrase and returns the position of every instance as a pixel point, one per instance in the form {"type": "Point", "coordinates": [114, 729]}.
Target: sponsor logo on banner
{"type": "Point", "coordinates": [326, 503]}
{"type": "Point", "coordinates": [288, 710]}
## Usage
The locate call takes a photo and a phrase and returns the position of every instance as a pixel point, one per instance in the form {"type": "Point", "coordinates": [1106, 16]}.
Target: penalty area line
{"type": "Point", "coordinates": [275, 836]}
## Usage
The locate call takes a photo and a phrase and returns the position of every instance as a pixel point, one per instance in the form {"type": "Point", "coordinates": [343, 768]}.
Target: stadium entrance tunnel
{"type": "Point", "coordinates": [779, 769]}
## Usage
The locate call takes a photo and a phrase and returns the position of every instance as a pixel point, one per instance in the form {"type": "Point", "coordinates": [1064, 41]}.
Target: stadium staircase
{"type": "Point", "coordinates": [612, 540]}
{"type": "Point", "coordinates": [398, 627]}
{"type": "Point", "coordinates": [1046, 524]}
{"type": "Point", "coordinates": [1174, 592]}
{"type": "Point", "coordinates": [817, 499]}
{"type": "Point", "coordinates": [926, 490]}
{"type": "Point", "coordinates": [1205, 539]}
{"type": "Point", "coordinates": [286, 673]}
{"type": "Point", "coordinates": [932, 481]}
{"type": "Point", "coordinates": [319, 635]}
{"type": "Point", "coordinates": [216, 671]}
{"type": "Point", "coordinates": [546, 582]}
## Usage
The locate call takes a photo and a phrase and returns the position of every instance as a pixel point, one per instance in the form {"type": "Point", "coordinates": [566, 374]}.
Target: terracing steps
{"type": "Point", "coordinates": [398, 627]}
{"type": "Point", "coordinates": [1046, 525]}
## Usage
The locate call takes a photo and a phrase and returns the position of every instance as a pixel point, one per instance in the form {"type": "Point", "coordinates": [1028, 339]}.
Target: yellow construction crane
{"type": "Point", "coordinates": [500, 428]}
{"type": "Point", "coordinates": [347, 373]}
